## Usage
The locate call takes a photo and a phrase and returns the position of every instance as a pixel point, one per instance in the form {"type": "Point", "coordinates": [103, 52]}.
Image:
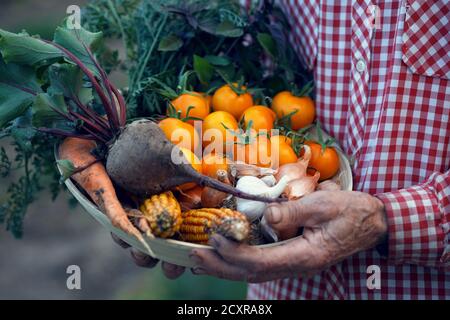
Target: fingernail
{"type": "Point", "coordinates": [170, 267]}
{"type": "Point", "coordinates": [198, 271]}
{"type": "Point", "coordinates": [274, 215]}
{"type": "Point", "coordinates": [195, 258]}
{"type": "Point", "coordinates": [138, 254]}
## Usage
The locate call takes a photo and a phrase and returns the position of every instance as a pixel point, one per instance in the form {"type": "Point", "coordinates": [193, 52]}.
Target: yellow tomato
{"type": "Point", "coordinates": [222, 121]}
{"type": "Point", "coordinates": [325, 161]}
{"type": "Point", "coordinates": [284, 103]}
{"type": "Point", "coordinates": [213, 162]}
{"type": "Point", "coordinates": [257, 152]}
{"type": "Point", "coordinates": [195, 163]}
{"type": "Point", "coordinates": [225, 99]}
{"type": "Point", "coordinates": [286, 154]}
{"type": "Point", "coordinates": [285, 151]}
{"type": "Point", "coordinates": [208, 100]}
{"type": "Point", "coordinates": [262, 118]}
{"type": "Point", "coordinates": [180, 133]}
{"type": "Point", "coordinates": [200, 107]}
{"type": "Point", "coordinates": [281, 139]}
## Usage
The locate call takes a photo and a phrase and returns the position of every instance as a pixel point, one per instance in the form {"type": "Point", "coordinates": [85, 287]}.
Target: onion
{"type": "Point", "coordinates": [190, 199]}
{"type": "Point", "coordinates": [299, 182]}
{"type": "Point", "coordinates": [297, 169]}
{"type": "Point", "coordinates": [212, 198]}
{"type": "Point", "coordinates": [300, 187]}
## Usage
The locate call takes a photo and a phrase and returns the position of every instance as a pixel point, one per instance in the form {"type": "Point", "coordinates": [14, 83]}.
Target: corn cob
{"type": "Point", "coordinates": [198, 225]}
{"type": "Point", "coordinates": [163, 214]}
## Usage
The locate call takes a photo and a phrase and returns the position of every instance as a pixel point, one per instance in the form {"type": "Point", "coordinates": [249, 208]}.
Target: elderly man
{"type": "Point", "coordinates": [382, 89]}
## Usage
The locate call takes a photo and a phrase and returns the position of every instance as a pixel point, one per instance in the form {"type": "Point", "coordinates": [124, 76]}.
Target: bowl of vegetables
{"type": "Point", "coordinates": [183, 232]}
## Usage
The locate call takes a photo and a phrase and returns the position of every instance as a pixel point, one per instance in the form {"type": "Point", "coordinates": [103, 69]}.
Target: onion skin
{"type": "Point", "coordinates": [212, 198]}
{"type": "Point", "coordinates": [296, 170]}
{"type": "Point", "coordinates": [190, 199]}
{"type": "Point", "coordinates": [301, 187]}
{"type": "Point", "coordinates": [329, 185]}
{"type": "Point", "coordinates": [299, 182]}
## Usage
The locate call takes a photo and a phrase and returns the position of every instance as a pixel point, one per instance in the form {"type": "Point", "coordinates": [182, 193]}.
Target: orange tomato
{"type": "Point", "coordinates": [287, 154]}
{"type": "Point", "coordinates": [262, 118]}
{"type": "Point", "coordinates": [200, 107]}
{"type": "Point", "coordinates": [285, 103]}
{"type": "Point", "coordinates": [213, 162]}
{"type": "Point", "coordinates": [257, 152]}
{"type": "Point", "coordinates": [208, 99]}
{"type": "Point", "coordinates": [219, 120]}
{"type": "Point", "coordinates": [326, 162]}
{"type": "Point", "coordinates": [281, 139]}
{"type": "Point", "coordinates": [285, 151]}
{"type": "Point", "coordinates": [225, 99]}
{"type": "Point", "coordinates": [195, 163]}
{"type": "Point", "coordinates": [180, 133]}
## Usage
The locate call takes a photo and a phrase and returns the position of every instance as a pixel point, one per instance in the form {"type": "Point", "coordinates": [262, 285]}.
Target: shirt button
{"type": "Point", "coordinates": [361, 66]}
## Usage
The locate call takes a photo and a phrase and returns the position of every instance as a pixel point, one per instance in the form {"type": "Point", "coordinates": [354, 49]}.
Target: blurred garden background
{"type": "Point", "coordinates": [56, 235]}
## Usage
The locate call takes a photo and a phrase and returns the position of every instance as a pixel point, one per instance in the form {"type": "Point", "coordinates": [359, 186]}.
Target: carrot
{"type": "Point", "coordinates": [93, 178]}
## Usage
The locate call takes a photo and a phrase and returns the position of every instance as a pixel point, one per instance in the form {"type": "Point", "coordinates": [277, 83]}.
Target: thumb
{"type": "Point", "coordinates": [285, 218]}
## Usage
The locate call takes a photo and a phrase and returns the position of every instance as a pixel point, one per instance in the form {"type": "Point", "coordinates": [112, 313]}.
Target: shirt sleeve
{"type": "Point", "coordinates": [419, 222]}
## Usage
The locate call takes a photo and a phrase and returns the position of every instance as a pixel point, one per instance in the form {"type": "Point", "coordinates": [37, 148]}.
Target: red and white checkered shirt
{"type": "Point", "coordinates": [382, 73]}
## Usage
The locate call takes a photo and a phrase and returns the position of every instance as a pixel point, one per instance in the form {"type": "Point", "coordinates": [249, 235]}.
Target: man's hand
{"type": "Point", "coordinates": [336, 224]}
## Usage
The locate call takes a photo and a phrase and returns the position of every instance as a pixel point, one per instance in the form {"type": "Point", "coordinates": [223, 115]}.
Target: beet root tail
{"type": "Point", "coordinates": [215, 184]}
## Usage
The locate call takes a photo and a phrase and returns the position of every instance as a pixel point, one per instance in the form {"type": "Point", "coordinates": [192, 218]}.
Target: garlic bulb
{"type": "Point", "coordinates": [269, 180]}
{"type": "Point", "coordinates": [241, 169]}
{"type": "Point", "coordinates": [256, 186]}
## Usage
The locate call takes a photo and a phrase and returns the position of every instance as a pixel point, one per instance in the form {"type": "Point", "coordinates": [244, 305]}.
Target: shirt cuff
{"type": "Point", "coordinates": [417, 226]}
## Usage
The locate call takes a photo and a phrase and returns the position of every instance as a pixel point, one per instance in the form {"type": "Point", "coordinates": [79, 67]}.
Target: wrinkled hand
{"type": "Point", "coordinates": [336, 224]}
{"type": "Point", "coordinates": [171, 271]}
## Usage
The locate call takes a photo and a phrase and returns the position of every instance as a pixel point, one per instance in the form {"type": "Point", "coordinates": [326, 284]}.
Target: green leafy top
{"type": "Point", "coordinates": [52, 87]}
{"type": "Point", "coordinates": [44, 89]}
{"type": "Point", "coordinates": [61, 82]}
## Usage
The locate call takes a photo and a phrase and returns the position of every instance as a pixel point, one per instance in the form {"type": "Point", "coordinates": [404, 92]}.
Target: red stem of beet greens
{"type": "Point", "coordinates": [90, 123]}
{"type": "Point", "coordinates": [99, 120]}
{"type": "Point", "coordinates": [106, 84]}
{"type": "Point", "coordinates": [110, 112]}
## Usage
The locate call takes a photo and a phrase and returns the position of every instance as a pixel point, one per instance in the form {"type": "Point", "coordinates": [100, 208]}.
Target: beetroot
{"type": "Point", "coordinates": [140, 161]}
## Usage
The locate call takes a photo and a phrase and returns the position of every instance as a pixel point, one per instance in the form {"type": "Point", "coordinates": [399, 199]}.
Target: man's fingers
{"type": "Point", "coordinates": [235, 253]}
{"type": "Point", "coordinates": [308, 211]}
{"type": "Point", "coordinates": [233, 261]}
{"type": "Point", "coordinates": [142, 225]}
{"type": "Point", "coordinates": [285, 218]}
{"type": "Point", "coordinates": [278, 259]}
{"type": "Point", "coordinates": [210, 263]}
{"type": "Point", "coordinates": [143, 260]}
{"type": "Point", "coordinates": [172, 271]}
{"type": "Point", "coordinates": [119, 241]}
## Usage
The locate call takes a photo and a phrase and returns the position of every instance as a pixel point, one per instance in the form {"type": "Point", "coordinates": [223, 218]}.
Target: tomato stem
{"type": "Point", "coordinates": [324, 144]}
